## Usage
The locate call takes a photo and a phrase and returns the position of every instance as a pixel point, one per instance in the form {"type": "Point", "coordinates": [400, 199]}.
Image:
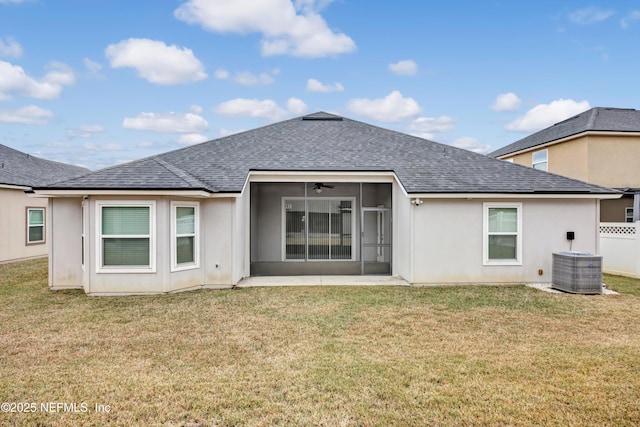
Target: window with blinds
{"type": "Point", "coordinates": [185, 235]}
{"type": "Point", "coordinates": [126, 236]}
{"type": "Point", "coordinates": [35, 225]}
{"type": "Point", "coordinates": [318, 229]}
{"type": "Point", "coordinates": [503, 233]}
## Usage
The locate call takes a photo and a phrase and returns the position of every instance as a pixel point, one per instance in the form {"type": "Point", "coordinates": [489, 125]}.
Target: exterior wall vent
{"type": "Point", "coordinates": [577, 272]}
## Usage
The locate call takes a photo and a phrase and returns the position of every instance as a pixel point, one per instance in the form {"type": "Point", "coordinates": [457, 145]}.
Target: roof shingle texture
{"type": "Point", "coordinates": [325, 142]}
{"type": "Point", "coordinates": [596, 119]}
{"type": "Point", "coordinates": [21, 169]}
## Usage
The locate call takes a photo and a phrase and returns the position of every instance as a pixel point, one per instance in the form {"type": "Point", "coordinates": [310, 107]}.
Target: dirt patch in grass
{"type": "Point", "coordinates": [319, 356]}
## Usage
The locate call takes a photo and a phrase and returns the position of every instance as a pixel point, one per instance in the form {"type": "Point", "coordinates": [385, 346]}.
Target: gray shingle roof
{"type": "Point", "coordinates": [596, 119]}
{"type": "Point", "coordinates": [325, 142]}
{"type": "Point", "coordinates": [21, 169]}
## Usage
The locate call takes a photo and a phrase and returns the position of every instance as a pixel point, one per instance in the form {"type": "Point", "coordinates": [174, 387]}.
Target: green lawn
{"type": "Point", "coordinates": [331, 356]}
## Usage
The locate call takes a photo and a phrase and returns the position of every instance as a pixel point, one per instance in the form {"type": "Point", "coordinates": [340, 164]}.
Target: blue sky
{"type": "Point", "coordinates": [96, 83]}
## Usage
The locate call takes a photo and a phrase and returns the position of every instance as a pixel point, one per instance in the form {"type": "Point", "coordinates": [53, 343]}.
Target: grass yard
{"type": "Point", "coordinates": [331, 356]}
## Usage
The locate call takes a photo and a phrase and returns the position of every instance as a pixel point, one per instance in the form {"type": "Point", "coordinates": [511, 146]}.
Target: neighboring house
{"type": "Point", "coordinates": [601, 146]}
{"type": "Point", "coordinates": [23, 219]}
{"type": "Point", "coordinates": [319, 194]}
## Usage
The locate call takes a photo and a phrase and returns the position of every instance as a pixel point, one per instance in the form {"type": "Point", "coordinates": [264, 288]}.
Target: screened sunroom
{"type": "Point", "coordinates": [308, 228]}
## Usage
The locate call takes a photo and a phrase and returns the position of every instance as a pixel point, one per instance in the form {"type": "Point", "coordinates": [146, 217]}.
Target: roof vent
{"type": "Point", "coordinates": [323, 117]}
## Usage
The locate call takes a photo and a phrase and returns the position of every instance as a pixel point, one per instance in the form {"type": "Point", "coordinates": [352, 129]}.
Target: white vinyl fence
{"type": "Point", "coordinates": [620, 248]}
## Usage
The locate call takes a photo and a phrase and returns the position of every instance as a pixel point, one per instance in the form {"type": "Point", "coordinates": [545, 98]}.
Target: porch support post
{"type": "Point", "coordinates": [636, 206]}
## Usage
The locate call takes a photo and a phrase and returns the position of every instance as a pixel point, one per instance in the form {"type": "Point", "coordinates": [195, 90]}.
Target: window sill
{"type": "Point", "coordinates": [502, 263]}
{"type": "Point", "coordinates": [178, 268]}
{"type": "Point", "coordinates": [122, 270]}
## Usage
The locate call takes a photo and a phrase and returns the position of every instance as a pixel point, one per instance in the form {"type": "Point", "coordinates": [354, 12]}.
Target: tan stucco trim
{"type": "Point", "coordinates": [567, 138]}
{"type": "Point", "coordinates": [305, 176]}
{"type": "Point", "coordinates": [15, 187]}
{"type": "Point", "coordinates": [82, 193]}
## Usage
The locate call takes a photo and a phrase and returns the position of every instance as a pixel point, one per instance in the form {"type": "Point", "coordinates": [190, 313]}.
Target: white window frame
{"type": "Point", "coordinates": [354, 241]}
{"type": "Point", "coordinates": [485, 235]}
{"type": "Point", "coordinates": [544, 162]}
{"type": "Point", "coordinates": [174, 237]}
{"type": "Point", "coordinates": [44, 226]}
{"type": "Point", "coordinates": [151, 204]}
{"type": "Point", "coordinates": [628, 214]}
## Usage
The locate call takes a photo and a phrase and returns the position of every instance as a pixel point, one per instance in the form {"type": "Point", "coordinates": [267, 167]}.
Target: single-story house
{"type": "Point", "coordinates": [24, 219]}
{"type": "Point", "coordinates": [600, 145]}
{"type": "Point", "coordinates": [318, 194]}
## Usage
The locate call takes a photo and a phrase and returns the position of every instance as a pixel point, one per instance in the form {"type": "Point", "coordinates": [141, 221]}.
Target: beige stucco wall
{"type": "Point", "coordinates": [402, 234]}
{"type": "Point", "coordinates": [614, 210]}
{"type": "Point", "coordinates": [13, 226]}
{"type": "Point", "coordinates": [449, 239]}
{"type": "Point", "coordinates": [65, 237]}
{"type": "Point", "coordinates": [606, 160]}
{"type": "Point", "coordinates": [614, 161]}
{"type": "Point", "coordinates": [216, 266]}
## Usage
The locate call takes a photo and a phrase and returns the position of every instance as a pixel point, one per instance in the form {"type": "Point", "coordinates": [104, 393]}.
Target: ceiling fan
{"type": "Point", "coordinates": [318, 186]}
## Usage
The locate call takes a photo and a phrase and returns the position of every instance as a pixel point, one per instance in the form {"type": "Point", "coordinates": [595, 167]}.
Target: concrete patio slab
{"type": "Point", "coordinates": [257, 281]}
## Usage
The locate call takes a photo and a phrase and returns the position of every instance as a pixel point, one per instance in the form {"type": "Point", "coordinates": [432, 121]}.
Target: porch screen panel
{"type": "Point", "coordinates": [321, 230]}
{"type": "Point", "coordinates": [295, 239]}
{"type": "Point", "coordinates": [341, 227]}
{"type": "Point", "coordinates": [319, 235]}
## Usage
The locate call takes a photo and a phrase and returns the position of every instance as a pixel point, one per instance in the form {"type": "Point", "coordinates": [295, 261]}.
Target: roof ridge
{"type": "Point", "coordinates": [592, 118]}
{"type": "Point", "coordinates": [181, 173]}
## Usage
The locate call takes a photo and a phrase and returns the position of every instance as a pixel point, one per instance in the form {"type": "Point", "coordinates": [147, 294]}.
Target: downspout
{"type": "Point", "coordinates": [412, 226]}
{"type": "Point", "coordinates": [636, 206]}
{"type": "Point", "coordinates": [49, 234]}
{"type": "Point", "coordinates": [598, 202]}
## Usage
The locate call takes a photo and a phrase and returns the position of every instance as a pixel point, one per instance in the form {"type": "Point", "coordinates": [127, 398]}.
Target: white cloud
{"type": "Point", "coordinates": [196, 109]}
{"type": "Point", "coordinates": [191, 138]}
{"type": "Point", "coordinates": [392, 108]}
{"type": "Point", "coordinates": [226, 132]}
{"type": "Point", "coordinates": [167, 122]}
{"type": "Point", "coordinates": [29, 115]}
{"type": "Point", "coordinates": [507, 102]}
{"type": "Point", "coordinates": [284, 30]}
{"type": "Point", "coordinates": [265, 109]}
{"type": "Point", "coordinates": [13, 1]}
{"type": "Point", "coordinates": [632, 16]}
{"type": "Point", "coordinates": [314, 85]}
{"type": "Point", "coordinates": [471, 144]}
{"type": "Point", "coordinates": [92, 66]}
{"type": "Point", "coordinates": [296, 106]}
{"type": "Point", "coordinates": [14, 81]}
{"type": "Point", "coordinates": [545, 115]}
{"type": "Point", "coordinates": [84, 131]}
{"type": "Point", "coordinates": [10, 47]}
{"type": "Point", "coordinates": [104, 147]}
{"type": "Point", "coordinates": [311, 5]}
{"type": "Point", "coordinates": [221, 74]}
{"type": "Point", "coordinates": [247, 78]}
{"type": "Point", "coordinates": [590, 15]}
{"type": "Point", "coordinates": [60, 74]}
{"type": "Point", "coordinates": [156, 62]}
{"type": "Point", "coordinates": [432, 124]}
{"type": "Point", "coordinates": [407, 67]}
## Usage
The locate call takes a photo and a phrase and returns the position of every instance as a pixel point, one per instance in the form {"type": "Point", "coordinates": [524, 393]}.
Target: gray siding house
{"type": "Point", "coordinates": [24, 219]}
{"type": "Point", "coordinates": [318, 194]}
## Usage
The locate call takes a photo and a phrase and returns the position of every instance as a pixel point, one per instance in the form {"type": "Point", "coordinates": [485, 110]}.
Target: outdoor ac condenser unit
{"type": "Point", "coordinates": [577, 272]}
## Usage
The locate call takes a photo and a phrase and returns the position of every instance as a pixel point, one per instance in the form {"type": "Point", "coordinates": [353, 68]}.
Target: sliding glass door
{"type": "Point", "coordinates": [319, 229]}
